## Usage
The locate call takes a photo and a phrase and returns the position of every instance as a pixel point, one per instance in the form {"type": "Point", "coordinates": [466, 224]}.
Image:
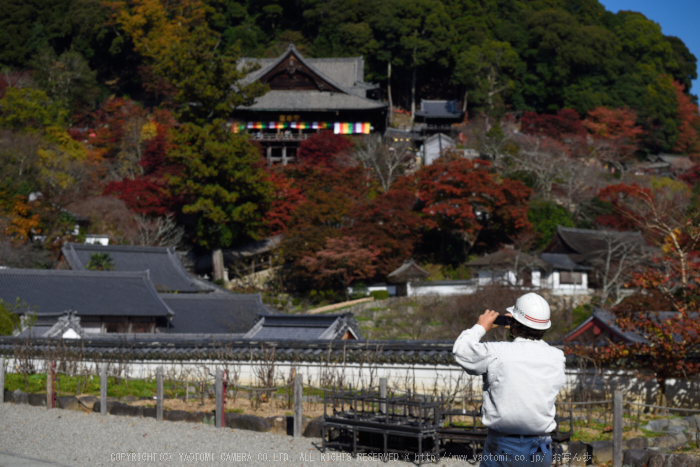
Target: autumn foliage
{"type": "Point", "coordinates": [465, 197]}
{"type": "Point", "coordinates": [667, 317]}
{"type": "Point", "coordinates": [322, 149]}
{"type": "Point", "coordinates": [688, 141]}
{"type": "Point", "coordinates": [390, 223]}
{"type": "Point", "coordinates": [342, 261]}
{"type": "Point", "coordinates": [565, 123]}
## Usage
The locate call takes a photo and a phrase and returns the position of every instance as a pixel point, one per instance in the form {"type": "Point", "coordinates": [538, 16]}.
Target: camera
{"type": "Point", "coordinates": [502, 320]}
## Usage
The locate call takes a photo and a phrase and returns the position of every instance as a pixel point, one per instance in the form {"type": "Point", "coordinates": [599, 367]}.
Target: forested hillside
{"type": "Point", "coordinates": [495, 55]}
{"type": "Point", "coordinates": [113, 112]}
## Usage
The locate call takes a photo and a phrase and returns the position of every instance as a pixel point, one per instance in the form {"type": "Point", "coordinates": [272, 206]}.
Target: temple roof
{"type": "Point", "coordinates": [163, 265]}
{"type": "Point", "coordinates": [288, 101]}
{"type": "Point", "coordinates": [439, 109]}
{"type": "Point", "coordinates": [306, 84]}
{"type": "Point", "coordinates": [304, 327]}
{"type": "Point", "coordinates": [407, 271]}
{"type": "Point", "coordinates": [88, 293]}
{"type": "Point", "coordinates": [507, 258]}
{"type": "Point", "coordinates": [213, 313]}
{"type": "Point", "coordinates": [585, 242]}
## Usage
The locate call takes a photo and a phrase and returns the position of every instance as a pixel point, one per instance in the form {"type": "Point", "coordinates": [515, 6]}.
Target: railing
{"type": "Point", "coordinates": [279, 136]}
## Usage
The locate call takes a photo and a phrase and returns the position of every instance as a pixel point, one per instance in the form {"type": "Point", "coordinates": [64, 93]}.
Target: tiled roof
{"type": "Point", "coordinates": [506, 258]}
{"type": "Point", "coordinates": [312, 100]}
{"type": "Point", "coordinates": [346, 75]}
{"type": "Point", "coordinates": [88, 293]}
{"type": "Point", "coordinates": [189, 347]}
{"type": "Point", "coordinates": [213, 313]}
{"type": "Point", "coordinates": [251, 249]}
{"type": "Point", "coordinates": [439, 109]}
{"type": "Point", "coordinates": [561, 261]}
{"type": "Point", "coordinates": [303, 327]}
{"type": "Point", "coordinates": [164, 267]}
{"type": "Point", "coordinates": [589, 242]}
{"type": "Point", "coordinates": [407, 271]}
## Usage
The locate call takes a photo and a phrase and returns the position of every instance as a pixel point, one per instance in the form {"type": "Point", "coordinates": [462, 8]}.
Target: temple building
{"type": "Point", "coordinates": [308, 95]}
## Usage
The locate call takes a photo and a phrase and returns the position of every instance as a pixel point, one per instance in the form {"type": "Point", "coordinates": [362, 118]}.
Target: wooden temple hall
{"type": "Point", "coordinates": [308, 95]}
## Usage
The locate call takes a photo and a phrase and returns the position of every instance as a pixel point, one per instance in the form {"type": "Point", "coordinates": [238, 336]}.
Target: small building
{"type": "Point", "coordinates": [252, 258]}
{"type": "Point", "coordinates": [510, 267]}
{"type": "Point", "coordinates": [409, 271]}
{"type": "Point", "coordinates": [308, 95]}
{"type": "Point", "coordinates": [599, 328]}
{"type": "Point", "coordinates": [668, 165]}
{"type": "Point", "coordinates": [105, 301]}
{"type": "Point", "coordinates": [163, 265]}
{"type": "Point", "coordinates": [437, 116]}
{"type": "Point", "coordinates": [565, 277]}
{"type": "Point", "coordinates": [434, 147]}
{"type": "Point", "coordinates": [580, 254]}
{"type": "Point", "coordinates": [57, 326]}
{"type": "Point", "coordinates": [305, 328]}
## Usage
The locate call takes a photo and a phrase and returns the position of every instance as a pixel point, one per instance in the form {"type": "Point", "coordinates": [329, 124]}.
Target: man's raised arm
{"type": "Point", "coordinates": [471, 354]}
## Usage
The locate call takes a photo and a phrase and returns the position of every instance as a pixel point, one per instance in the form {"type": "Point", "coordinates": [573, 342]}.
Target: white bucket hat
{"type": "Point", "coordinates": [531, 310]}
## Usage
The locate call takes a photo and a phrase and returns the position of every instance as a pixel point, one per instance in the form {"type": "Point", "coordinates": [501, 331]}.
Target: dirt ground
{"type": "Point", "coordinates": [241, 405]}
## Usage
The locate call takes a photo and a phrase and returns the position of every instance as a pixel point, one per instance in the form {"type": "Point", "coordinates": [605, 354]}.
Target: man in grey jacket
{"type": "Point", "coordinates": [522, 379]}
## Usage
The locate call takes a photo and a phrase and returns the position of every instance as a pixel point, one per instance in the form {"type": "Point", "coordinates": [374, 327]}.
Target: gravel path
{"type": "Point", "coordinates": [80, 439]}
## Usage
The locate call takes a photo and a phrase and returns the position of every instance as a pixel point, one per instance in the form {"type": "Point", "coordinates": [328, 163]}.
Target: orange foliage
{"type": "Point", "coordinates": [688, 141]}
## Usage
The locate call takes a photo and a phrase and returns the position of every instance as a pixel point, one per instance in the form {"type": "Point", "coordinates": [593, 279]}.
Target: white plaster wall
{"type": "Point", "coordinates": [442, 290]}
{"type": "Point", "coordinates": [428, 379]}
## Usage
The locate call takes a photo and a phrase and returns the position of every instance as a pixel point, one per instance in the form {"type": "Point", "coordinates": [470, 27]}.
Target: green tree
{"type": "Point", "coordinates": [100, 262]}
{"type": "Point", "coordinates": [29, 109]}
{"type": "Point", "coordinates": [223, 184]}
{"type": "Point", "coordinates": [207, 81]}
{"type": "Point", "coordinates": [66, 79]}
{"type": "Point", "coordinates": [9, 321]}
{"type": "Point", "coordinates": [545, 217]}
{"type": "Point", "coordinates": [488, 72]}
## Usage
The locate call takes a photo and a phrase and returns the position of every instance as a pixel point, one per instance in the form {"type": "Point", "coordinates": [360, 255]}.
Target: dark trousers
{"type": "Point", "coordinates": [516, 451]}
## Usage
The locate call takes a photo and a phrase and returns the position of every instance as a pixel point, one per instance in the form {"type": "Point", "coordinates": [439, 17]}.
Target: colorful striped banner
{"type": "Point", "coordinates": [339, 128]}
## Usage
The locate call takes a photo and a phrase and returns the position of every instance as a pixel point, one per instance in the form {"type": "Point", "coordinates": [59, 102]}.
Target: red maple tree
{"type": "Point", "coordinates": [615, 134]}
{"type": "Point", "coordinates": [323, 149]}
{"type": "Point", "coordinates": [565, 123]}
{"type": "Point", "coordinates": [463, 197]}
{"type": "Point", "coordinates": [390, 223]}
{"type": "Point", "coordinates": [343, 261]}
{"type": "Point", "coordinates": [669, 337]}
{"type": "Point", "coordinates": [688, 141]}
{"type": "Point", "coordinates": [285, 200]}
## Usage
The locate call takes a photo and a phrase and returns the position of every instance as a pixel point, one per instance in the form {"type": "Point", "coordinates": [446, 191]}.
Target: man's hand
{"type": "Point", "coordinates": [486, 320]}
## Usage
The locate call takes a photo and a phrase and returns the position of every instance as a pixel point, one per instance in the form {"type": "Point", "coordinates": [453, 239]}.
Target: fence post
{"type": "Point", "coordinates": [2, 379]}
{"type": "Point", "coordinates": [298, 404]}
{"type": "Point", "coordinates": [617, 429]}
{"type": "Point", "coordinates": [49, 386]}
{"type": "Point", "coordinates": [219, 389]}
{"type": "Point", "coordinates": [382, 395]}
{"type": "Point", "coordinates": [103, 389]}
{"type": "Point", "coordinates": [159, 394]}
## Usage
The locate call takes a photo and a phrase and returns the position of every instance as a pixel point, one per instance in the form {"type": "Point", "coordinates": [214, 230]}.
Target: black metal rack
{"type": "Point", "coordinates": [410, 424]}
{"type": "Point", "coordinates": [362, 421]}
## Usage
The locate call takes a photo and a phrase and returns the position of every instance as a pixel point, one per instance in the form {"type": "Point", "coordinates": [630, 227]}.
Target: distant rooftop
{"type": "Point", "coordinates": [305, 327]}
{"type": "Point", "coordinates": [439, 109]}
{"type": "Point", "coordinates": [88, 293]}
{"type": "Point", "coordinates": [214, 313]}
{"type": "Point", "coordinates": [163, 265]}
